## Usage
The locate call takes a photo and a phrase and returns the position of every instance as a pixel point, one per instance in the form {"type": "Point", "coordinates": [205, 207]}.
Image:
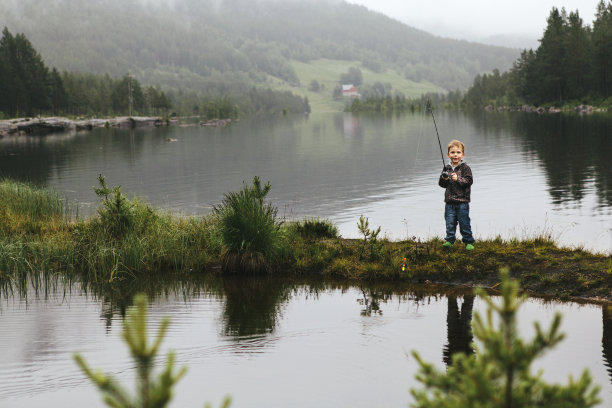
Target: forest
{"type": "Point", "coordinates": [572, 66]}
{"type": "Point", "coordinates": [28, 87]}
{"type": "Point", "coordinates": [198, 50]}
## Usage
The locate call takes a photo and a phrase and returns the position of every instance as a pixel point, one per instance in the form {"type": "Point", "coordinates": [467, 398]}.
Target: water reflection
{"type": "Point", "coordinates": [252, 305]}
{"type": "Point", "coordinates": [340, 166]}
{"type": "Point", "coordinates": [606, 339]}
{"type": "Point", "coordinates": [329, 335]}
{"type": "Point", "coordinates": [371, 302]}
{"type": "Point", "coordinates": [574, 150]}
{"type": "Point", "coordinates": [459, 327]}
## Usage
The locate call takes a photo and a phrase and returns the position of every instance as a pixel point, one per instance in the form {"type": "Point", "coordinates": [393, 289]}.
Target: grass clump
{"type": "Point", "coordinates": [314, 228]}
{"type": "Point", "coordinates": [25, 209]}
{"type": "Point", "coordinates": [249, 229]}
{"type": "Point", "coordinates": [129, 238]}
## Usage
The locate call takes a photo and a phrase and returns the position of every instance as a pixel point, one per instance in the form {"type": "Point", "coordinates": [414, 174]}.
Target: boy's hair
{"type": "Point", "coordinates": [456, 143]}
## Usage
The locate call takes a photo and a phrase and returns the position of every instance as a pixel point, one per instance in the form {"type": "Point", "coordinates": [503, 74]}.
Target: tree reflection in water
{"type": "Point", "coordinates": [459, 327]}
{"type": "Point", "coordinates": [253, 304]}
{"type": "Point", "coordinates": [606, 339]}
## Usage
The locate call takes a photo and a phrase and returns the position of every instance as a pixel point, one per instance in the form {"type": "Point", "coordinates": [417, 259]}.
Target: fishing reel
{"type": "Point", "coordinates": [446, 174]}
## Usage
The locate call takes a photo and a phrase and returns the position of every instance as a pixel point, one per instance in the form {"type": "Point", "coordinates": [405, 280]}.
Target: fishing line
{"type": "Point", "coordinates": [416, 154]}
{"type": "Point", "coordinates": [431, 109]}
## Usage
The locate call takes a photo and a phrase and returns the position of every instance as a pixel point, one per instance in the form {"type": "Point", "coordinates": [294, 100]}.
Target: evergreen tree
{"type": "Point", "coordinates": [127, 96]}
{"type": "Point", "coordinates": [59, 96]}
{"type": "Point", "coordinates": [602, 50]}
{"type": "Point", "coordinates": [577, 45]}
{"type": "Point", "coordinates": [498, 374]}
{"type": "Point", "coordinates": [11, 83]}
{"type": "Point", "coordinates": [551, 59]}
{"type": "Point", "coordinates": [24, 84]}
{"type": "Point", "coordinates": [150, 393]}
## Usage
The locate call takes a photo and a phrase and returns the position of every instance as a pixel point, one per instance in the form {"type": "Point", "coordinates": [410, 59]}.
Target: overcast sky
{"type": "Point", "coordinates": [479, 19]}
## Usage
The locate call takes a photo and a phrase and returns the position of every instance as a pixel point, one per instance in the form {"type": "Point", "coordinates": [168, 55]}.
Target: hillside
{"type": "Point", "coordinates": [212, 46]}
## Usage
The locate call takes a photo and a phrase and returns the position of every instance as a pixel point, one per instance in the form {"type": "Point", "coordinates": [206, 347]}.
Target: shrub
{"type": "Point", "coordinates": [249, 229]}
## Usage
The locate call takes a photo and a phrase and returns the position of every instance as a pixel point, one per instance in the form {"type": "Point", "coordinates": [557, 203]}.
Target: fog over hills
{"type": "Point", "coordinates": [204, 44]}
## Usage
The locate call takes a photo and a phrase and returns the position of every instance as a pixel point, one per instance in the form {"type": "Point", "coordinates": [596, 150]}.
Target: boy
{"type": "Point", "coordinates": [456, 178]}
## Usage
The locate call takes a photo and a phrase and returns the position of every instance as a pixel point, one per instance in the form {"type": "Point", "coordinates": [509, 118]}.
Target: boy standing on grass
{"type": "Point", "coordinates": [456, 178]}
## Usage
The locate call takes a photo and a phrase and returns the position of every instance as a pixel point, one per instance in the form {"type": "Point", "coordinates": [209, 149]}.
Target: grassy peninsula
{"type": "Point", "coordinates": [129, 240]}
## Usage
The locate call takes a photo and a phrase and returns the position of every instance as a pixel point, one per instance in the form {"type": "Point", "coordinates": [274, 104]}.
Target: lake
{"type": "Point", "coordinates": [533, 174]}
{"type": "Point", "coordinates": [271, 342]}
{"type": "Point", "coordinates": [276, 343]}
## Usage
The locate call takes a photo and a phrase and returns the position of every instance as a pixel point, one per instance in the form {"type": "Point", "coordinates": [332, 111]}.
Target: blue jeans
{"type": "Point", "coordinates": [458, 213]}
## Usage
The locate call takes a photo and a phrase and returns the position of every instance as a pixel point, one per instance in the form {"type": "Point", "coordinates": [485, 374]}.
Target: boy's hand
{"type": "Point", "coordinates": [454, 176]}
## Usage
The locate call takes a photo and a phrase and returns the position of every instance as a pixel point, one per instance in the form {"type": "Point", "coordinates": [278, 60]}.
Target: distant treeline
{"type": "Point", "coordinates": [28, 87]}
{"type": "Point", "coordinates": [572, 65]}
{"type": "Point", "coordinates": [399, 103]}
{"type": "Point", "coordinates": [202, 45]}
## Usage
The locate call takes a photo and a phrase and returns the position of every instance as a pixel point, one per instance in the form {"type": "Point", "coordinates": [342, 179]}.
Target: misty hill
{"type": "Point", "coordinates": [211, 46]}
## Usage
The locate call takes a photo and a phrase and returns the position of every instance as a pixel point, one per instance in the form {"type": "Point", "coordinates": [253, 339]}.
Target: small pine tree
{"type": "Point", "coordinates": [498, 374]}
{"type": "Point", "coordinates": [116, 212]}
{"type": "Point", "coordinates": [150, 393]}
{"type": "Point", "coordinates": [370, 238]}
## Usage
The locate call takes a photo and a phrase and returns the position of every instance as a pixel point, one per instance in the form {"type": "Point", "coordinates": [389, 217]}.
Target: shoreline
{"type": "Point", "coordinates": [579, 109]}
{"type": "Point", "coordinates": [46, 125]}
{"type": "Point", "coordinates": [543, 268]}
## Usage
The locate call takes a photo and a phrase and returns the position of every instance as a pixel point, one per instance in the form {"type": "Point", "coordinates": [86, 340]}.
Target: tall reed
{"type": "Point", "coordinates": [28, 209]}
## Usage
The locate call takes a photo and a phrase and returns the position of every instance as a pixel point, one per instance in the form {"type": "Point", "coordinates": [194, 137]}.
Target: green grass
{"type": "Point", "coordinates": [327, 72]}
{"type": "Point", "coordinates": [28, 209]}
{"type": "Point", "coordinates": [38, 236]}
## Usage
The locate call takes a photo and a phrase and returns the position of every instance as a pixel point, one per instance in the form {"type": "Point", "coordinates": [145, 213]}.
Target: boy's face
{"type": "Point", "coordinates": [455, 154]}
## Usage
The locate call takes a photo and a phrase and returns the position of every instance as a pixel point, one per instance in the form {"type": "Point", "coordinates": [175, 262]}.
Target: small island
{"type": "Point", "coordinates": [128, 240]}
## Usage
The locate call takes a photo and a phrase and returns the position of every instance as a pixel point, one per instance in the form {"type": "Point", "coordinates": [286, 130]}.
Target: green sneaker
{"type": "Point", "coordinates": [447, 245]}
{"type": "Point", "coordinates": [469, 247]}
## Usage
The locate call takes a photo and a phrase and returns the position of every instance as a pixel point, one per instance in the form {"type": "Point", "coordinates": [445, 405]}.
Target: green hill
{"type": "Point", "coordinates": [212, 47]}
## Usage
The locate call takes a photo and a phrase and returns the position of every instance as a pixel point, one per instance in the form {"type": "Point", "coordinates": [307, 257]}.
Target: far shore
{"type": "Point", "coordinates": [53, 124]}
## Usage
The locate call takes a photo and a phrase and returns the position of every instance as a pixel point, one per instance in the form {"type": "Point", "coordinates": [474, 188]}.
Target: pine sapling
{"type": "Point", "coordinates": [150, 392]}
{"type": "Point", "coordinates": [498, 373]}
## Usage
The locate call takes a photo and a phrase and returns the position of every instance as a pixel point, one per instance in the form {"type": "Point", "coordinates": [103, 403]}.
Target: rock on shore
{"type": "Point", "coordinates": [581, 109]}
{"type": "Point", "coordinates": [42, 126]}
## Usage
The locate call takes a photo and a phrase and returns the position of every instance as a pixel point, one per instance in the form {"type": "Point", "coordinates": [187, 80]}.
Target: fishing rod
{"type": "Point", "coordinates": [430, 108]}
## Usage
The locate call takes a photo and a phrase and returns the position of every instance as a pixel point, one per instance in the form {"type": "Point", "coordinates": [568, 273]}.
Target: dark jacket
{"type": "Point", "coordinates": [457, 191]}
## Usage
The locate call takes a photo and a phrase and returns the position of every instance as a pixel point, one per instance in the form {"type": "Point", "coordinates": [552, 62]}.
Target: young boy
{"type": "Point", "coordinates": [456, 178]}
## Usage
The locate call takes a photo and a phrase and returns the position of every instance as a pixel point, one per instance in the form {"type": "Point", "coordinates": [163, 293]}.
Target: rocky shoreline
{"type": "Point", "coordinates": [43, 126]}
{"type": "Point", "coordinates": [580, 109]}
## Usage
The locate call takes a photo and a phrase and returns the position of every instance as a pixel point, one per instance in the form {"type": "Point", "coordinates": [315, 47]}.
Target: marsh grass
{"type": "Point", "coordinates": [244, 234]}
{"type": "Point", "coordinates": [128, 238]}
{"type": "Point", "coordinates": [28, 209]}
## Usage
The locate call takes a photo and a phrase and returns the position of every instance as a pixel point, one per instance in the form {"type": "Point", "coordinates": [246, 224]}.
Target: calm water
{"type": "Point", "coordinates": [269, 343]}
{"type": "Point", "coordinates": [533, 174]}
{"type": "Point", "coordinates": [278, 344]}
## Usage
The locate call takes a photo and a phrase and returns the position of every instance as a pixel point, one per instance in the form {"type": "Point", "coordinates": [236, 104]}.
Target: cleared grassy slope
{"type": "Point", "coordinates": [327, 72]}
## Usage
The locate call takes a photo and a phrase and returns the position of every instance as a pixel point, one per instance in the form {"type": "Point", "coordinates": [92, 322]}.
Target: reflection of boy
{"type": "Point", "coordinates": [456, 178]}
{"type": "Point", "coordinates": [458, 328]}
